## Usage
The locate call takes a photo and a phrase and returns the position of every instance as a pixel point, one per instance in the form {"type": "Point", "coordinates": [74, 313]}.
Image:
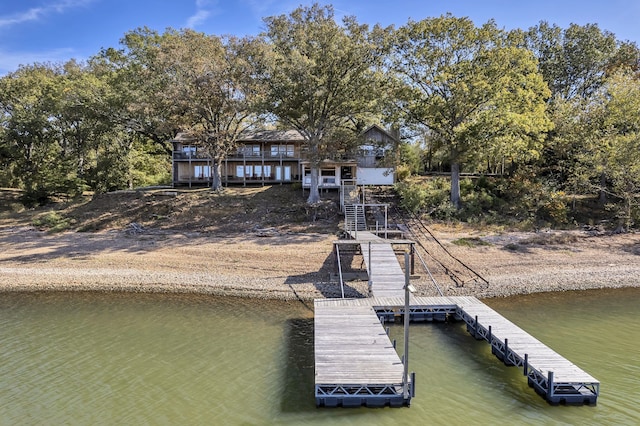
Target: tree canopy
{"type": "Point", "coordinates": [555, 108]}
{"type": "Point", "coordinates": [477, 93]}
{"type": "Point", "coordinates": [322, 79]}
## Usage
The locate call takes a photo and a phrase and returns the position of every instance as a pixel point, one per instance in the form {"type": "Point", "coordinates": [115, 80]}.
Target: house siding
{"type": "Point", "coordinates": [276, 157]}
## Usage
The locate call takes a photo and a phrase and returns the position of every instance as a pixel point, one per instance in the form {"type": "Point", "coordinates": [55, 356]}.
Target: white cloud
{"type": "Point", "coordinates": [37, 13]}
{"type": "Point", "coordinates": [204, 9]}
{"type": "Point", "coordinates": [198, 18]}
{"type": "Point", "coordinates": [10, 61]}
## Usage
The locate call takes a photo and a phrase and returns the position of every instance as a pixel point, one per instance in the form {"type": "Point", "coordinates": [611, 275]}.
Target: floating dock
{"type": "Point", "coordinates": [356, 363]}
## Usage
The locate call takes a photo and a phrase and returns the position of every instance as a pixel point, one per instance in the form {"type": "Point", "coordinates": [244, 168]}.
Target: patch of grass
{"type": "Point", "coordinates": [52, 221]}
{"type": "Point", "coordinates": [470, 242]}
{"type": "Point", "coordinates": [543, 239]}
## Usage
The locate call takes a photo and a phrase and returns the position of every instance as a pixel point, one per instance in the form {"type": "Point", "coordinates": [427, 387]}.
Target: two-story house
{"type": "Point", "coordinates": [277, 156]}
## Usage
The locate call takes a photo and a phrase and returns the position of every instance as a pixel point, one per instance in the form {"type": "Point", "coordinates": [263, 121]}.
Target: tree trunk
{"type": "Point", "coordinates": [455, 185]}
{"type": "Point", "coordinates": [602, 200]}
{"type": "Point", "coordinates": [216, 182]}
{"type": "Point", "coordinates": [314, 192]}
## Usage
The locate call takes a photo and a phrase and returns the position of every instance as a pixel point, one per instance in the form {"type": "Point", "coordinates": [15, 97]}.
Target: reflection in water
{"type": "Point", "coordinates": [298, 364]}
{"type": "Point", "coordinates": [89, 358]}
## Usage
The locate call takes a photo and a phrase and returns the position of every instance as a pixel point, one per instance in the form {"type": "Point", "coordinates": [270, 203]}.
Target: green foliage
{"type": "Point", "coordinates": [149, 167]}
{"type": "Point", "coordinates": [431, 195]}
{"type": "Point", "coordinates": [553, 208]}
{"type": "Point", "coordinates": [470, 242]}
{"type": "Point", "coordinates": [321, 78]}
{"type": "Point", "coordinates": [575, 61]}
{"type": "Point", "coordinates": [477, 92]}
{"type": "Point", "coordinates": [52, 222]}
{"type": "Point", "coordinates": [413, 197]}
{"type": "Point", "coordinates": [488, 200]}
{"type": "Point", "coordinates": [555, 109]}
{"type": "Point", "coordinates": [410, 161]}
{"type": "Point", "coordinates": [403, 172]}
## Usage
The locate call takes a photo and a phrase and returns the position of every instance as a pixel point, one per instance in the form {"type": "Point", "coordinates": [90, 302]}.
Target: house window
{"type": "Point", "coordinates": [283, 150]}
{"type": "Point", "coordinates": [245, 171]}
{"type": "Point", "coordinates": [250, 150]}
{"type": "Point", "coordinates": [189, 151]}
{"type": "Point", "coordinates": [328, 176]}
{"type": "Point", "coordinates": [201, 172]}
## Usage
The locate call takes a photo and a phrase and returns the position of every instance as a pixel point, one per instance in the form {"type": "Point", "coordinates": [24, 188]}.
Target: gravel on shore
{"type": "Point", "coordinates": [295, 266]}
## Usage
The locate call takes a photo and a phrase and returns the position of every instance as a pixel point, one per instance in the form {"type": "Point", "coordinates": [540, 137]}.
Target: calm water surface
{"type": "Point", "coordinates": [157, 359]}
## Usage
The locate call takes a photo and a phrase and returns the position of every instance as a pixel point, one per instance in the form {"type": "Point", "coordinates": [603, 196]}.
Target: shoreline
{"type": "Point", "coordinates": [297, 266]}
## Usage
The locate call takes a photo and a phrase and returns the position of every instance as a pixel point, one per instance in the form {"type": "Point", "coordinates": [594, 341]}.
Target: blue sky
{"type": "Point", "coordinates": [58, 30]}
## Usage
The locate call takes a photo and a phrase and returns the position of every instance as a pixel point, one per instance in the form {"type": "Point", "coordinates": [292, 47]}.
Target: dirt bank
{"type": "Point", "coordinates": [288, 265]}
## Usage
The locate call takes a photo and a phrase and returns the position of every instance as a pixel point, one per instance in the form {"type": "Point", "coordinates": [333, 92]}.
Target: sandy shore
{"type": "Point", "coordinates": [298, 266]}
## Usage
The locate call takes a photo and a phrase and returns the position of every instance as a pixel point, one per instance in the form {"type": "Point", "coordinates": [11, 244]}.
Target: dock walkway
{"type": "Point", "coordinates": [557, 379]}
{"type": "Point", "coordinates": [386, 278]}
{"type": "Point", "coordinates": [356, 363]}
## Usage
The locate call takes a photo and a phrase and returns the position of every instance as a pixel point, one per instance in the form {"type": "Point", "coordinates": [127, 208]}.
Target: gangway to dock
{"type": "Point", "coordinates": [386, 278]}
{"type": "Point", "coordinates": [357, 365]}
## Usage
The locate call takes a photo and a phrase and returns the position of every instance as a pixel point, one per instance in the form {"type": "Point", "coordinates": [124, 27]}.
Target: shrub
{"type": "Point", "coordinates": [52, 222]}
{"type": "Point", "coordinates": [470, 242]}
{"type": "Point", "coordinates": [412, 196]}
{"type": "Point", "coordinates": [403, 172]}
{"type": "Point", "coordinates": [553, 208]}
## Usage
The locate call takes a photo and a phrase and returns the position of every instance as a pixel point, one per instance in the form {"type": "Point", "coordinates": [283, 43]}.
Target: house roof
{"type": "Point", "coordinates": [271, 135]}
{"type": "Point", "coordinates": [253, 135]}
{"type": "Point", "coordinates": [380, 130]}
{"type": "Point", "coordinates": [279, 135]}
{"type": "Point", "coordinates": [183, 137]}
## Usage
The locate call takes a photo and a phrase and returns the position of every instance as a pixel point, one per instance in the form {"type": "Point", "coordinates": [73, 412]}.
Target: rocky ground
{"type": "Point", "coordinates": [298, 265]}
{"type": "Point", "coordinates": [266, 243]}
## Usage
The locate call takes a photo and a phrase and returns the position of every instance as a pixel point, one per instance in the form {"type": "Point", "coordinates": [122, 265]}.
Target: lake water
{"type": "Point", "coordinates": [88, 358]}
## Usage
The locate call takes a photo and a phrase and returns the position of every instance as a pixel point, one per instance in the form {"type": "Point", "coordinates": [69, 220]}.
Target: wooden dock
{"type": "Point", "coordinates": [356, 363]}
{"type": "Point", "coordinates": [554, 377]}
{"type": "Point", "coordinates": [386, 278]}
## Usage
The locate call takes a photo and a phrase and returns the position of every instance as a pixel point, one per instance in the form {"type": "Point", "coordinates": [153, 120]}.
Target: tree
{"type": "Point", "coordinates": [576, 63]}
{"type": "Point", "coordinates": [619, 148]}
{"type": "Point", "coordinates": [474, 90]}
{"type": "Point", "coordinates": [573, 61]}
{"type": "Point", "coordinates": [27, 98]}
{"type": "Point", "coordinates": [322, 79]}
{"type": "Point", "coordinates": [133, 98]}
{"type": "Point", "coordinates": [211, 82]}
{"type": "Point", "coordinates": [191, 82]}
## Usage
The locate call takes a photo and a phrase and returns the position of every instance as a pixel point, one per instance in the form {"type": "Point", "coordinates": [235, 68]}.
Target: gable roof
{"type": "Point", "coordinates": [380, 130]}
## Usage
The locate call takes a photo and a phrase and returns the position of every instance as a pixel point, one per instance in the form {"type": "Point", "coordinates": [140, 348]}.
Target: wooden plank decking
{"type": "Point", "coordinates": [357, 365]}
{"type": "Point", "coordinates": [549, 373]}
{"type": "Point", "coordinates": [385, 275]}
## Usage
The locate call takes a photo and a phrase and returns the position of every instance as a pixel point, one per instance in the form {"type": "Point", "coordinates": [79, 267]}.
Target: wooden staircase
{"type": "Point", "coordinates": [354, 218]}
